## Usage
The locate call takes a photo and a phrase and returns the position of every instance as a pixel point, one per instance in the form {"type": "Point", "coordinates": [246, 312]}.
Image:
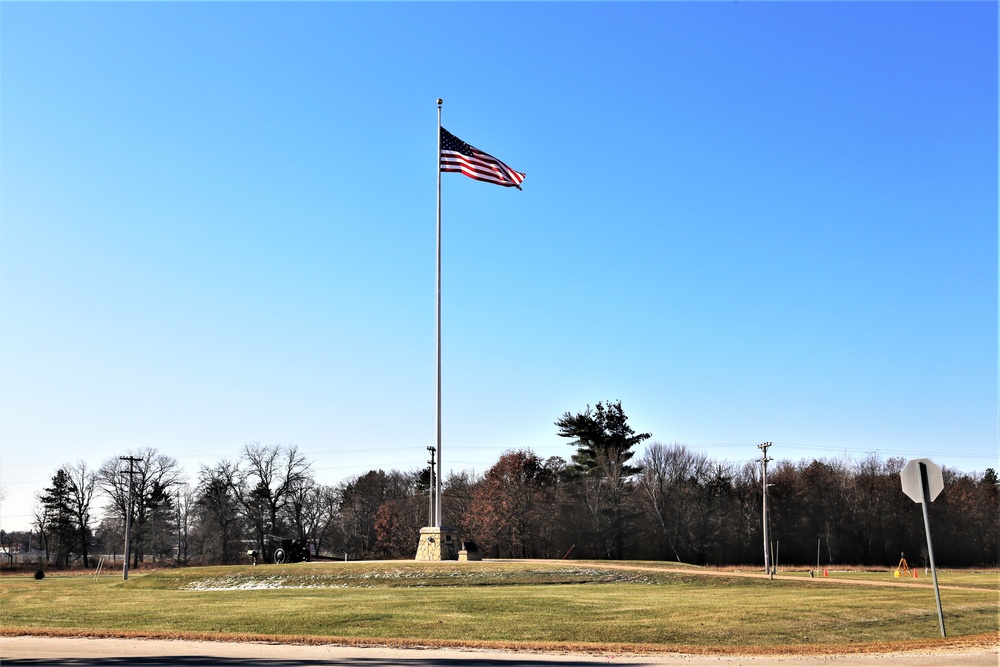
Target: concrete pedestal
{"type": "Point", "coordinates": [437, 544]}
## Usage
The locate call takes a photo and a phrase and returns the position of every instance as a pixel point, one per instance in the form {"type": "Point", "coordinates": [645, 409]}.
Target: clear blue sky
{"type": "Point", "coordinates": [746, 221]}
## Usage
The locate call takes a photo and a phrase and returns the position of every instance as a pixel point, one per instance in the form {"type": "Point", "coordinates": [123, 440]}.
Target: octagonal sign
{"type": "Point", "coordinates": [910, 476]}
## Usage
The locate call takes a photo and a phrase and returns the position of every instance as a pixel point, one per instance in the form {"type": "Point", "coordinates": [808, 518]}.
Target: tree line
{"type": "Point", "coordinates": [607, 500]}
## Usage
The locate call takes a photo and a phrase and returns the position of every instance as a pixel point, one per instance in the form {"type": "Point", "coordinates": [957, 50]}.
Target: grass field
{"type": "Point", "coordinates": [503, 603]}
{"type": "Point", "coordinates": [987, 580]}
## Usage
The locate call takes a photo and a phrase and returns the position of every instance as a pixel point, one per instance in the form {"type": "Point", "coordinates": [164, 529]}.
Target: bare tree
{"type": "Point", "coordinates": [747, 502]}
{"type": "Point", "coordinates": [41, 519]}
{"type": "Point", "coordinates": [459, 488]}
{"type": "Point", "coordinates": [263, 481]}
{"type": "Point", "coordinates": [310, 511]}
{"type": "Point", "coordinates": [360, 498]}
{"type": "Point", "coordinates": [397, 523]}
{"type": "Point", "coordinates": [154, 475]}
{"type": "Point", "coordinates": [219, 519]}
{"type": "Point", "coordinates": [667, 493]}
{"type": "Point", "coordinates": [83, 481]}
{"type": "Point", "coordinates": [510, 506]}
{"type": "Point", "coordinates": [185, 514]}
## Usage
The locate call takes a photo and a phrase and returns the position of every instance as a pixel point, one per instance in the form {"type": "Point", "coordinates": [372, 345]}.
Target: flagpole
{"type": "Point", "coordinates": [440, 457]}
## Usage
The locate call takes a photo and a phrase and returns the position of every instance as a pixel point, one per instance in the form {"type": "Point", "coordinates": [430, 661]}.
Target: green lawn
{"type": "Point", "coordinates": [494, 602]}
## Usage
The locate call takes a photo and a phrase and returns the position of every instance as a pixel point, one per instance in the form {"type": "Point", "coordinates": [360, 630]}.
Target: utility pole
{"type": "Point", "coordinates": [430, 489]}
{"type": "Point", "coordinates": [179, 534]}
{"type": "Point", "coordinates": [767, 543]}
{"type": "Point", "coordinates": [128, 511]}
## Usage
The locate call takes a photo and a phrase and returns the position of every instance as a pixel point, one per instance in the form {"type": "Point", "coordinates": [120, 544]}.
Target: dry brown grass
{"type": "Point", "coordinates": [537, 606]}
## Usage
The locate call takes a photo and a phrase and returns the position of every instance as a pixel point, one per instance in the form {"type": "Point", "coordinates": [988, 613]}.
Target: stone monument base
{"type": "Point", "coordinates": [437, 544]}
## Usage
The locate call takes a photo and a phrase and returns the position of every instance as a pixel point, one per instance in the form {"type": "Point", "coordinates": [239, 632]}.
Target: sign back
{"type": "Point", "coordinates": [910, 476]}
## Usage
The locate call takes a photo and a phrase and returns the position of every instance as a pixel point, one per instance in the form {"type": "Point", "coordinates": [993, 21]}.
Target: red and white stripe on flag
{"type": "Point", "coordinates": [456, 155]}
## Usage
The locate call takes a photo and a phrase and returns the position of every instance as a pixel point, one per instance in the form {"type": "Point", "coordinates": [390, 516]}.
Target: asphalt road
{"type": "Point", "coordinates": [81, 652]}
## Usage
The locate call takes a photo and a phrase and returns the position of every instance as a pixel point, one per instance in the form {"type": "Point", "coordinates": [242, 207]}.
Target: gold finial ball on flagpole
{"type": "Point", "coordinates": [440, 101]}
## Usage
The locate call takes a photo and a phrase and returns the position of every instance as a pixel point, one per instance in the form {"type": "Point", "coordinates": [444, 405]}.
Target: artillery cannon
{"type": "Point", "coordinates": [289, 550]}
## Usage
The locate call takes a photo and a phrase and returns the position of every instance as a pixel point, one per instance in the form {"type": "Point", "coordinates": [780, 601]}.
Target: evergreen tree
{"type": "Point", "coordinates": [57, 503]}
{"type": "Point", "coordinates": [604, 442]}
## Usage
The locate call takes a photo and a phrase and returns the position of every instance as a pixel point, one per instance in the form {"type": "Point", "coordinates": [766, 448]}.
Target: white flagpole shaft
{"type": "Point", "coordinates": [440, 456]}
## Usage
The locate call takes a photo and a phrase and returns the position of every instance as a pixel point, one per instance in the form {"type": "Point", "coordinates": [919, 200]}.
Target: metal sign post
{"type": "Point", "coordinates": [922, 482]}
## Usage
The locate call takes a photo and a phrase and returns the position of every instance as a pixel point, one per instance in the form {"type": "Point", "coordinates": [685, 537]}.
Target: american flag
{"type": "Point", "coordinates": [456, 155]}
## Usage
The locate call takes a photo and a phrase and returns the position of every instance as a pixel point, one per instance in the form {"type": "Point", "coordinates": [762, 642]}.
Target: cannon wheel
{"type": "Point", "coordinates": [280, 556]}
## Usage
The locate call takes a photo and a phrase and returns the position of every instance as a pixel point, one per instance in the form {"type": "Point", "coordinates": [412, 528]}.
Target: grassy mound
{"type": "Point", "coordinates": [506, 604]}
{"type": "Point", "coordinates": [387, 575]}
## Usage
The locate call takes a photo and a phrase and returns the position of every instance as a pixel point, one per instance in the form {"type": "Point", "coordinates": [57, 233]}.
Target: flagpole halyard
{"type": "Point", "coordinates": [437, 483]}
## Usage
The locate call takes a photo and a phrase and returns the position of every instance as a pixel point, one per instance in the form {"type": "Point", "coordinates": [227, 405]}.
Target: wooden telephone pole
{"type": "Point", "coordinates": [764, 518]}
{"type": "Point", "coordinates": [128, 512]}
